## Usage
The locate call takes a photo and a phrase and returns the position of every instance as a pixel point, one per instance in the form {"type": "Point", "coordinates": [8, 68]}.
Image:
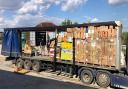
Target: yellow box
{"type": "Point", "coordinates": [66, 45]}
{"type": "Point", "coordinates": [66, 56]}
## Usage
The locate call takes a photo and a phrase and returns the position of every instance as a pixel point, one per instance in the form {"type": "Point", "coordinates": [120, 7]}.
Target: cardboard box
{"type": "Point", "coordinates": [52, 44]}
{"type": "Point", "coordinates": [95, 46]}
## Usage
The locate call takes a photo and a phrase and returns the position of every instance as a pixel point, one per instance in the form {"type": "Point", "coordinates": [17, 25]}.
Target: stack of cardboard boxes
{"type": "Point", "coordinates": [96, 45]}
{"type": "Point", "coordinates": [93, 44]}
{"type": "Point", "coordinates": [66, 46]}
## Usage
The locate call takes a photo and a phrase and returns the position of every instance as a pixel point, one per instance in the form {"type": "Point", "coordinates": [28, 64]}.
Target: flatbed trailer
{"type": "Point", "coordinates": [97, 39]}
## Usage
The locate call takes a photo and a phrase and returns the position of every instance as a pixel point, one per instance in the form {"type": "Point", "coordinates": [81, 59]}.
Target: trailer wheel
{"type": "Point", "coordinates": [44, 66]}
{"type": "Point", "coordinates": [27, 64]}
{"type": "Point", "coordinates": [103, 79]}
{"type": "Point", "coordinates": [19, 63]}
{"type": "Point", "coordinates": [36, 66]}
{"type": "Point", "coordinates": [86, 76]}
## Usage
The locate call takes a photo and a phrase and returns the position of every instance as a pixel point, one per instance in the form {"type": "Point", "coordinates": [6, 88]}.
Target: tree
{"type": "Point", "coordinates": [66, 22]}
{"type": "Point", "coordinates": [75, 23]}
{"type": "Point", "coordinates": [125, 38]}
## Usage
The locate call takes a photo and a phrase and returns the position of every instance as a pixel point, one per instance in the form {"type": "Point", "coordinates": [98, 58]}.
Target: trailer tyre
{"type": "Point", "coordinates": [27, 64]}
{"type": "Point", "coordinates": [36, 66]}
{"type": "Point", "coordinates": [86, 76]}
{"type": "Point", "coordinates": [19, 63]}
{"type": "Point", "coordinates": [103, 78]}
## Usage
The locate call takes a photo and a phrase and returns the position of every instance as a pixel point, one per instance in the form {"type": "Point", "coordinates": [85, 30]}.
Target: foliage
{"type": "Point", "coordinates": [75, 23]}
{"type": "Point", "coordinates": [125, 38]}
{"type": "Point", "coordinates": [66, 22]}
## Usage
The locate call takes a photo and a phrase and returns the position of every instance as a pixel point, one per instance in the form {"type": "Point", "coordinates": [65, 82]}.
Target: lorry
{"type": "Point", "coordinates": [90, 51]}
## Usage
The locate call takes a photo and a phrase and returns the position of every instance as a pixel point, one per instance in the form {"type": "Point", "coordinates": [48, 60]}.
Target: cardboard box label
{"type": "Point", "coordinates": [66, 54]}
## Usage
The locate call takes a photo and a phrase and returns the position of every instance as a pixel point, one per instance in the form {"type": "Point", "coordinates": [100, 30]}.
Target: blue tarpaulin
{"type": "Point", "coordinates": [11, 43]}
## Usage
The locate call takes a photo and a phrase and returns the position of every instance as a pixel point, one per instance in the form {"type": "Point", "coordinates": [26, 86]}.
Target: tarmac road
{"type": "Point", "coordinates": [11, 80]}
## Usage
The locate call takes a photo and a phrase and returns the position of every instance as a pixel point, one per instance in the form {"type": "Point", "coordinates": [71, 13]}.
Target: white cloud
{"type": "Point", "coordinates": [28, 20]}
{"type": "Point", "coordinates": [91, 19]}
{"type": "Point", "coordinates": [27, 6]}
{"type": "Point", "coordinates": [33, 20]}
{"type": "Point", "coordinates": [36, 6]}
{"type": "Point", "coordinates": [114, 2]}
{"type": "Point", "coordinates": [72, 4]}
{"type": "Point", "coordinates": [32, 12]}
{"type": "Point", "coordinates": [25, 18]}
{"type": "Point", "coordinates": [41, 5]}
{"type": "Point", "coordinates": [1, 20]}
{"type": "Point", "coordinates": [11, 4]}
{"type": "Point", "coordinates": [94, 20]}
{"type": "Point", "coordinates": [1, 12]}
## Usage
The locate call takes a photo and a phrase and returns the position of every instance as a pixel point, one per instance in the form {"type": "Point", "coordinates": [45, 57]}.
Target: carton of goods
{"type": "Point", "coordinates": [65, 39]}
{"type": "Point", "coordinates": [69, 34]}
{"type": "Point", "coordinates": [69, 30]}
{"type": "Point", "coordinates": [66, 45]}
{"type": "Point", "coordinates": [104, 61]}
{"type": "Point", "coordinates": [27, 35]}
{"type": "Point", "coordinates": [52, 44]}
{"type": "Point", "coordinates": [59, 38]}
{"type": "Point", "coordinates": [92, 44]}
{"type": "Point", "coordinates": [66, 54]}
{"type": "Point", "coordinates": [27, 48]}
{"type": "Point", "coordinates": [112, 60]}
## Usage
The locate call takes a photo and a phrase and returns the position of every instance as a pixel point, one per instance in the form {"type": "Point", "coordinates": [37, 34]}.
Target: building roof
{"type": "Point", "coordinates": [46, 24]}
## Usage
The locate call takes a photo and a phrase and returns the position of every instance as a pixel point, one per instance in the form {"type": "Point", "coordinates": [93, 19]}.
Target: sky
{"type": "Point", "coordinates": [29, 13]}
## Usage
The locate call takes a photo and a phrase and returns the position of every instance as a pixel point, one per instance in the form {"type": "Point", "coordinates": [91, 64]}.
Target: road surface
{"type": "Point", "coordinates": [9, 80]}
{"type": "Point", "coordinates": [32, 80]}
